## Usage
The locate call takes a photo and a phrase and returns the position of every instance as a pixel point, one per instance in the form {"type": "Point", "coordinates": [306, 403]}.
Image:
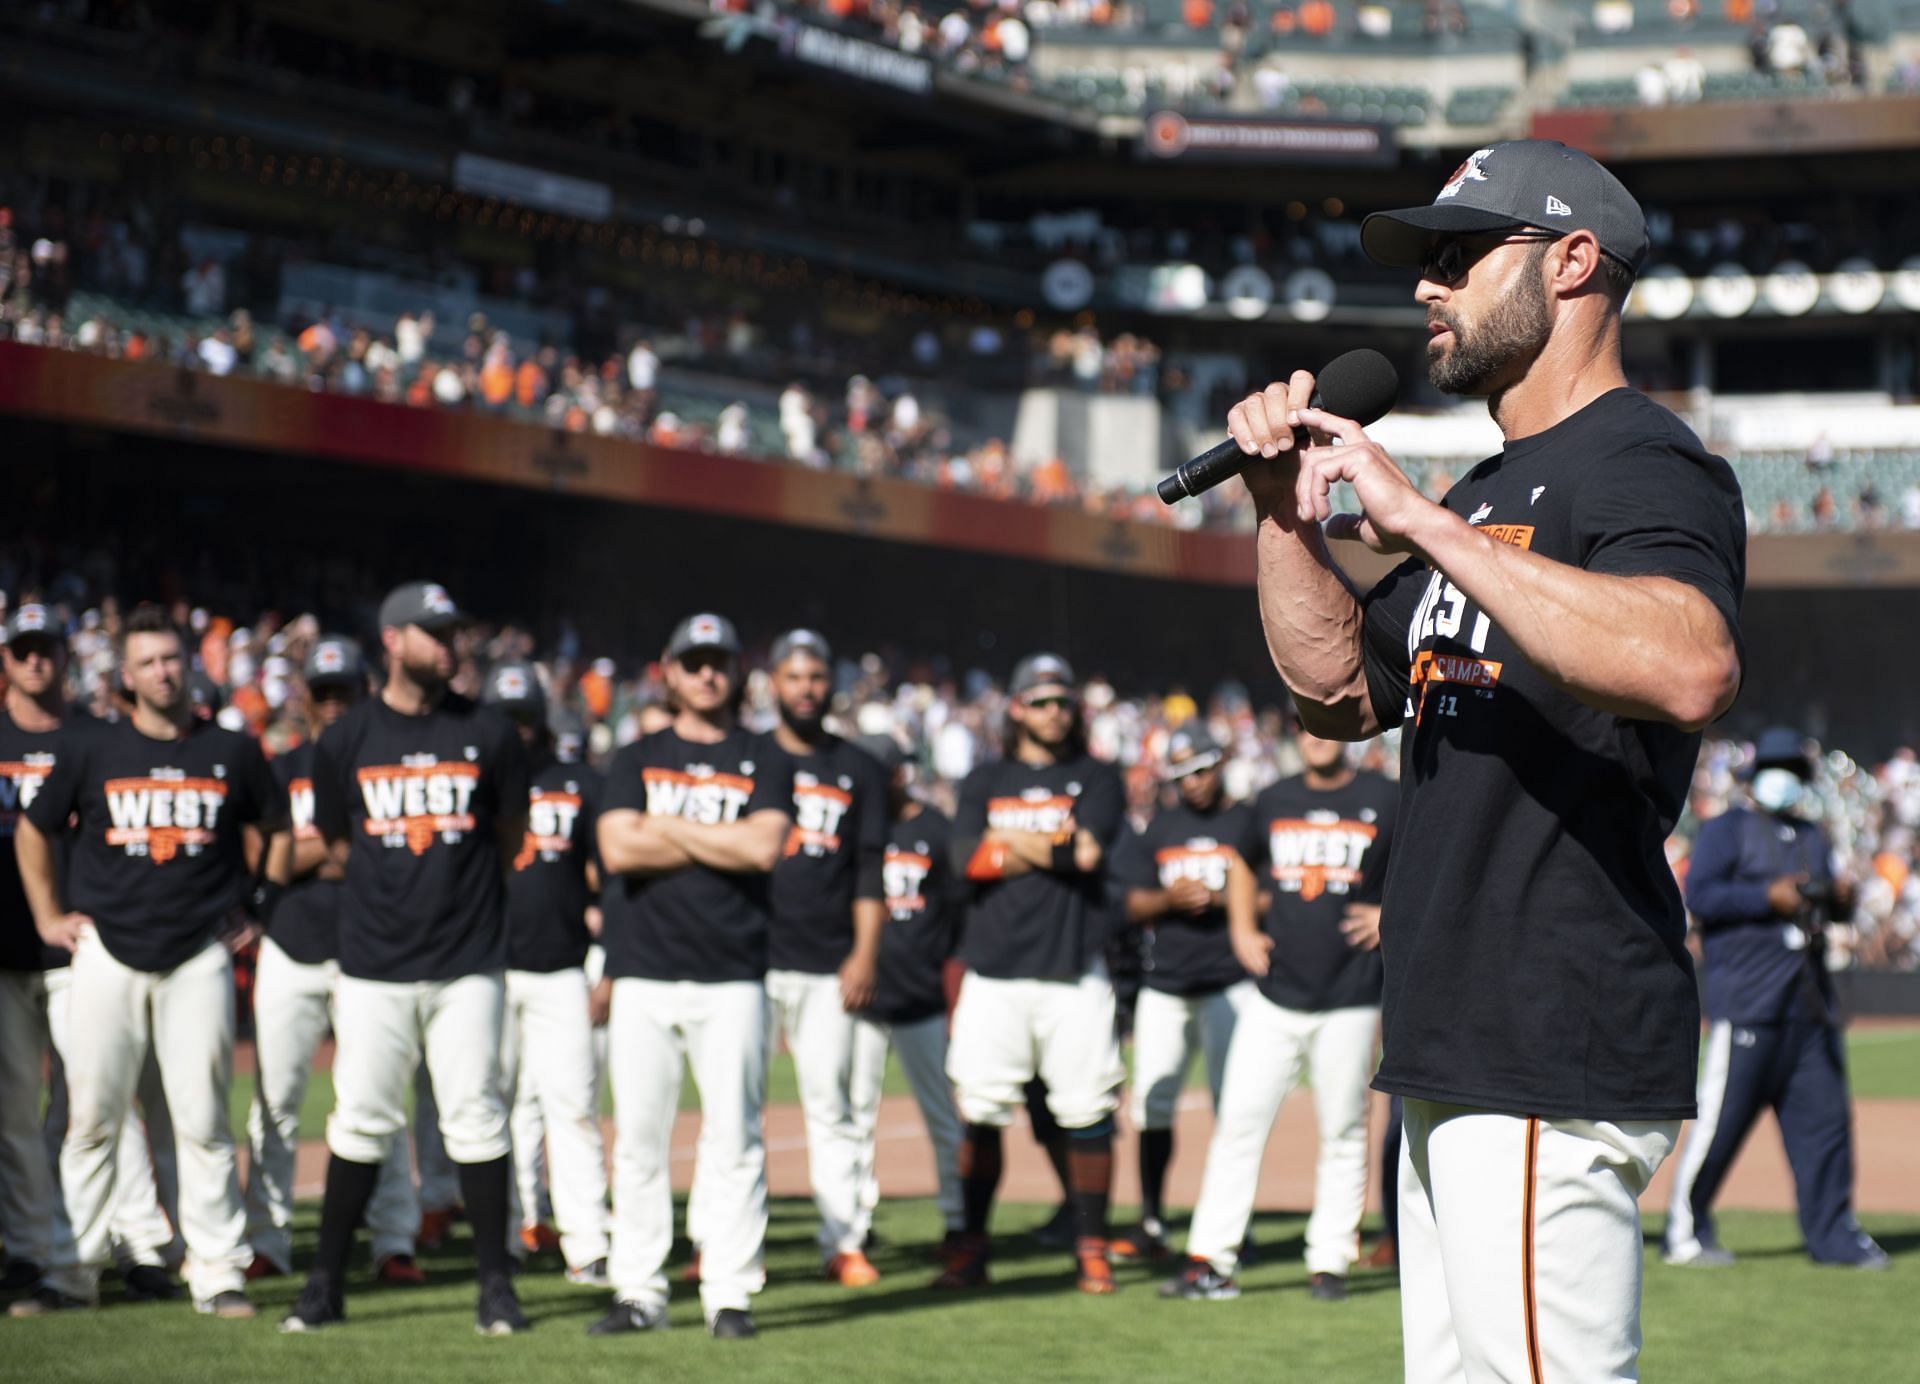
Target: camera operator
{"type": "Point", "coordinates": [1762, 890]}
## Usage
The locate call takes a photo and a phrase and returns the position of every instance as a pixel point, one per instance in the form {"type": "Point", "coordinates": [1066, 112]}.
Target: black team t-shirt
{"type": "Point", "coordinates": [832, 856]}
{"type": "Point", "coordinates": [923, 907]}
{"type": "Point", "coordinates": [26, 759]}
{"type": "Point", "coordinates": [306, 922]}
{"type": "Point", "coordinates": [1042, 925]}
{"type": "Point", "coordinates": [547, 893]}
{"type": "Point", "coordinates": [1532, 931]}
{"type": "Point", "coordinates": [420, 798]}
{"type": "Point", "coordinates": [1315, 852]}
{"type": "Point", "coordinates": [1185, 953]}
{"type": "Point", "coordinates": [158, 861]}
{"type": "Point", "coordinates": [693, 923]}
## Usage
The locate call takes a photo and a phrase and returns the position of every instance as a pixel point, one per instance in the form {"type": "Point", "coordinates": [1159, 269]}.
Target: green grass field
{"type": "Point", "coordinates": [1774, 1317]}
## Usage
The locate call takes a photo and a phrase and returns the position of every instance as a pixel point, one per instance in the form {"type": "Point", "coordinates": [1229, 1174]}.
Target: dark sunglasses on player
{"type": "Point", "coordinates": [1056, 702]}
{"type": "Point", "coordinates": [1450, 256]}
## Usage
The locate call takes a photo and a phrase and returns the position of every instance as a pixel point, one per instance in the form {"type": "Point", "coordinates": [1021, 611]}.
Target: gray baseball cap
{"type": "Point", "coordinates": [884, 748]}
{"type": "Point", "coordinates": [1041, 670]}
{"type": "Point", "coordinates": [515, 687]}
{"type": "Point", "coordinates": [32, 620]}
{"type": "Point", "coordinates": [800, 641]}
{"type": "Point", "coordinates": [335, 659]}
{"type": "Point", "coordinates": [422, 603]}
{"type": "Point", "coordinates": [1191, 749]}
{"type": "Point", "coordinates": [1519, 182]}
{"type": "Point", "coordinates": [703, 632]}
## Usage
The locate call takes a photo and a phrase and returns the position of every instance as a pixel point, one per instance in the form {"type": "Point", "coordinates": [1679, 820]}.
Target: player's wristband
{"type": "Point", "coordinates": [1064, 862]}
{"type": "Point", "coordinates": [265, 898]}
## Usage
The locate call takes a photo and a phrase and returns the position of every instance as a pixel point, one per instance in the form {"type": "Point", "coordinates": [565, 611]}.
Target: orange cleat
{"type": "Point", "coordinates": [434, 1226]}
{"type": "Point", "coordinates": [966, 1257]}
{"type": "Point", "coordinates": [1096, 1272]}
{"type": "Point", "coordinates": [1385, 1255]}
{"type": "Point", "coordinates": [1142, 1246]}
{"type": "Point", "coordinates": [539, 1239]}
{"type": "Point", "coordinates": [691, 1274]}
{"type": "Point", "coordinates": [400, 1270]}
{"type": "Point", "coordinates": [263, 1267]}
{"type": "Point", "coordinates": [852, 1270]}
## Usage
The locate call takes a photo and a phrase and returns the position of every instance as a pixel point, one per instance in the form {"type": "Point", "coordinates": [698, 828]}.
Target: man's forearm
{"type": "Point", "coordinates": [1313, 622]}
{"type": "Point", "coordinates": [632, 844]}
{"type": "Point", "coordinates": [748, 847]}
{"type": "Point", "coordinates": [35, 858]}
{"type": "Point", "coordinates": [869, 917]}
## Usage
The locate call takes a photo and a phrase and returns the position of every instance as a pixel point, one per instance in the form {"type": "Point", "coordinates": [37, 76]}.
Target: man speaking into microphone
{"type": "Point", "coordinates": [1564, 625]}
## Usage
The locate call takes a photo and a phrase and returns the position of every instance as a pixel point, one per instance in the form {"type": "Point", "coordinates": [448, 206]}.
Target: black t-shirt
{"type": "Point", "coordinates": [1532, 931]}
{"type": "Point", "coordinates": [1316, 852]}
{"type": "Point", "coordinates": [1185, 953]}
{"type": "Point", "coordinates": [547, 893]}
{"type": "Point", "coordinates": [26, 758]}
{"type": "Point", "coordinates": [693, 923]}
{"type": "Point", "coordinates": [420, 798]}
{"type": "Point", "coordinates": [306, 922]}
{"type": "Point", "coordinates": [1043, 924]}
{"type": "Point", "coordinates": [923, 907]}
{"type": "Point", "coordinates": [832, 857]}
{"type": "Point", "coordinates": [158, 861]}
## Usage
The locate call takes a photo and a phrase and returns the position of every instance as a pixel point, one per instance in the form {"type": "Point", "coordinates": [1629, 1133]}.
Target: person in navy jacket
{"type": "Point", "coordinates": [1762, 888]}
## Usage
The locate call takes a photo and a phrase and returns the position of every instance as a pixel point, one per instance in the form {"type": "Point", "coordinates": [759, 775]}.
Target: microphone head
{"type": "Point", "coordinates": [1361, 385]}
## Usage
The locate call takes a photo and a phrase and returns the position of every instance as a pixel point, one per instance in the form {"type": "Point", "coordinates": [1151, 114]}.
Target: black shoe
{"type": "Point", "coordinates": [1199, 1282]}
{"type": "Point", "coordinates": [499, 1311]}
{"type": "Point", "coordinates": [318, 1305]}
{"type": "Point", "coordinates": [1061, 1232]}
{"type": "Point", "coordinates": [1326, 1287]}
{"type": "Point", "coordinates": [149, 1283]}
{"type": "Point", "coordinates": [1249, 1252]}
{"type": "Point", "coordinates": [731, 1324]}
{"type": "Point", "coordinates": [46, 1300]}
{"type": "Point", "coordinates": [230, 1304]}
{"type": "Point", "coordinates": [20, 1274]}
{"type": "Point", "coordinates": [628, 1316]}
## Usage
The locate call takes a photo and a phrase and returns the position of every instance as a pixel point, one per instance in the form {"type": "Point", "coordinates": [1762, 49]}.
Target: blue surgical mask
{"type": "Point", "coordinates": [1777, 790]}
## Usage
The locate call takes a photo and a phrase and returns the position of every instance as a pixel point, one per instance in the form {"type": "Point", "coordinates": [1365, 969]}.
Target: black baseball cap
{"type": "Point", "coordinates": [1191, 749]}
{"type": "Point", "coordinates": [335, 659]}
{"type": "Point", "coordinates": [703, 632]}
{"type": "Point", "coordinates": [422, 603]}
{"type": "Point", "coordinates": [515, 687]}
{"type": "Point", "coordinates": [32, 621]}
{"type": "Point", "coordinates": [1519, 182]}
{"type": "Point", "coordinates": [800, 641]}
{"type": "Point", "coordinates": [1041, 670]}
{"type": "Point", "coordinates": [1781, 747]}
{"type": "Point", "coordinates": [884, 748]}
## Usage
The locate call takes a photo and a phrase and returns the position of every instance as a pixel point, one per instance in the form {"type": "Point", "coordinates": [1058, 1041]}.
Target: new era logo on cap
{"type": "Point", "coordinates": [1556, 207]}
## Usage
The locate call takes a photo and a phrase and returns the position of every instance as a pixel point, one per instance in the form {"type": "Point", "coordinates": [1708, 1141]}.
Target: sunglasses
{"type": "Point", "coordinates": [1044, 703]}
{"type": "Point", "coordinates": [1450, 257]}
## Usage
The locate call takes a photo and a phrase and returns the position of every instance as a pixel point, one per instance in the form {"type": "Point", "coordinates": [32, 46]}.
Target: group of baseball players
{"type": "Point", "coordinates": [488, 926]}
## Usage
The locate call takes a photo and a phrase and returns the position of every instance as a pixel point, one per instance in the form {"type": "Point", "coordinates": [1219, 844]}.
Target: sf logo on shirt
{"type": "Point", "coordinates": [165, 813]}
{"type": "Point", "coordinates": [551, 814]}
{"type": "Point", "coordinates": [20, 782]}
{"type": "Point", "coordinates": [817, 812]}
{"type": "Point", "coordinates": [418, 801]}
{"type": "Point", "coordinates": [698, 793]}
{"type": "Point", "coordinates": [904, 874]}
{"type": "Point", "coordinates": [1202, 858]}
{"type": "Point", "coordinates": [1037, 809]}
{"type": "Point", "coordinates": [1321, 852]}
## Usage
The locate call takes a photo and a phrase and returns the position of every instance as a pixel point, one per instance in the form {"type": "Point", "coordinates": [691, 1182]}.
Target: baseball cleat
{"type": "Point", "coordinates": [498, 1312]}
{"type": "Point", "coordinates": [1326, 1287]}
{"type": "Point", "coordinates": [852, 1269]}
{"type": "Point", "coordinates": [21, 1273]}
{"type": "Point", "coordinates": [46, 1300]}
{"type": "Point", "coordinates": [229, 1305]}
{"type": "Point", "coordinates": [1143, 1245]}
{"type": "Point", "coordinates": [434, 1226]}
{"type": "Point", "coordinates": [731, 1324]}
{"type": "Point", "coordinates": [966, 1264]}
{"type": "Point", "coordinates": [318, 1305]}
{"type": "Point", "coordinates": [1198, 1281]}
{"type": "Point", "coordinates": [691, 1274]}
{"type": "Point", "coordinates": [1698, 1256]}
{"type": "Point", "coordinates": [592, 1275]}
{"type": "Point", "coordinates": [262, 1267]}
{"type": "Point", "coordinates": [149, 1283]}
{"type": "Point", "coordinates": [539, 1239]}
{"type": "Point", "coordinates": [1096, 1270]}
{"type": "Point", "coordinates": [623, 1317]}
{"type": "Point", "coordinates": [400, 1270]}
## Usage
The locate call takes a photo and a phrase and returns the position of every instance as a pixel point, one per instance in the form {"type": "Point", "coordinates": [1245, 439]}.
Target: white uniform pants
{"type": "Point", "coordinates": [382, 1030]}
{"type": "Point", "coordinates": [1520, 1245]}
{"type": "Point", "coordinates": [922, 1047]}
{"type": "Point", "coordinates": [292, 1006]}
{"type": "Point", "coordinates": [807, 1011]}
{"type": "Point", "coordinates": [1273, 1048]}
{"type": "Point", "coordinates": [186, 1015]}
{"type": "Point", "coordinates": [1166, 1030]}
{"type": "Point", "coordinates": [721, 1030]}
{"type": "Point", "coordinates": [34, 1014]}
{"type": "Point", "coordinates": [553, 1088]}
{"type": "Point", "coordinates": [1006, 1032]}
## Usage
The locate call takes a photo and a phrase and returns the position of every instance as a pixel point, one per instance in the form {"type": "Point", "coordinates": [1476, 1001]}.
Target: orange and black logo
{"type": "Point", "coordinates": [20, 782]}
{"type": "Point", "coordinates": [905, 874]}
{"type": "Point", "coordinates": [164, 815]}
{"type": "Point", "coordinates": [551, 816]}
{"type": "Point", "coordinates": [1206, 861]}
{"type": "Point", "coordinates": [1318, 854]}
{"type": "Point", "coordinates": [818, 810]}
{"type": "Point", "coordinates": [1038, 810]}
{"type": "Point", "coordinates": [710, 798]}
{"type": "Point", "coordinates": [413, 805]}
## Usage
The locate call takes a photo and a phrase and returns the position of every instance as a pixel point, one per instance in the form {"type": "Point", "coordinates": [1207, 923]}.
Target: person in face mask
{"type": "Point", "coordinates": [1762, 889]}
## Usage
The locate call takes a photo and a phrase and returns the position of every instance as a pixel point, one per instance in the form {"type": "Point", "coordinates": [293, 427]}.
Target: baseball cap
{"type": "Point", "coordinates": [1781, 747]}
{"type": "Point", "coordinates": [1041, 670]}
{"type": "Point", "coordinates": [516, 687]}
{"type": "Point", "coordinates": [884, 748]}
{"type": "Point", "coordinates": [32, 619]}
{"type": "Point", "coordinates": [703, 632]}
{"type": "Point", "coordinates": [335, 659]}
{"type": "Point", "coordinates": [799, 641]}
{"type": "Point", "coordinates": [1191, 749]}
{"type": "Point", "coordinates": [1518, 182]}
{"type": "Point", "coordinates": [422, 603]}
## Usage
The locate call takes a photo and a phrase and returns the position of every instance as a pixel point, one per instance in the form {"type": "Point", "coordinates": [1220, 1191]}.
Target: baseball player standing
{"type": "Point", "coordinates": [421, 796]}
{"type": "Point", "coordinates": [693, 819]}
{"type": "Point", "coordinates": [1320, 844]}
{"type": "Point", "coordinates": [1032, 834]}
{"type": "Point", "coordinates": [151, 909]}
{"type": "Point", "coordinates": [548, 1053]}
{"type": "Point", "coordinates": [293, 1002]}
{"type": "Point", "coordinates": [1176, 874]}
{"type": "Point", "coordinates": [1563, 627]}
{"type": "Point", "coordinates": [908, 1012]}
{"type": "Point", "coordinates": [35, 1015]}
{"type": "Point", "coordinates": [825, 942]}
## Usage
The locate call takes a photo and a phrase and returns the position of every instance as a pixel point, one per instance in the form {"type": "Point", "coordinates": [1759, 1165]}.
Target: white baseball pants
{"type": "Point", "coordinates": [1273, 1048]}
{"type": "Point", "coordinates": [1166, 1030]}
{"type": "Point", "coordinates": [721, 1031]}
{"type": "Point", "coordinates": [292, 1007]}
{"type": "Point", "coordinates": [1006, 1032]}
{"type": "Point", "coordinates": [1520, 1245]}
{"type": "Point", "coordinates": [922, 1047]}
{"type": "Point", "coordinates": [807, 1011]}
{"type": "Point", "coordinates": [186, 1015]}
{"type": "Point", "coordinates": [553, 1087]}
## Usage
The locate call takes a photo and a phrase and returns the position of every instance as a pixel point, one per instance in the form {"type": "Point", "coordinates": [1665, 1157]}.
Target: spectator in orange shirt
{"type": "Point", "coordinates": [1317, 18]}
{"type": "Point", "coordinates": [529, 384]}
{"type": "Point", "coordinates": [1197, 13]}
{"type": "Point", "coordinates": [496, 375]}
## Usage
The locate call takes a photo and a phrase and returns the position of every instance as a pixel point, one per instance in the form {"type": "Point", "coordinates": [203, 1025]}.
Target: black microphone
{"type": "Point", "coordinates": [1361, 385]}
